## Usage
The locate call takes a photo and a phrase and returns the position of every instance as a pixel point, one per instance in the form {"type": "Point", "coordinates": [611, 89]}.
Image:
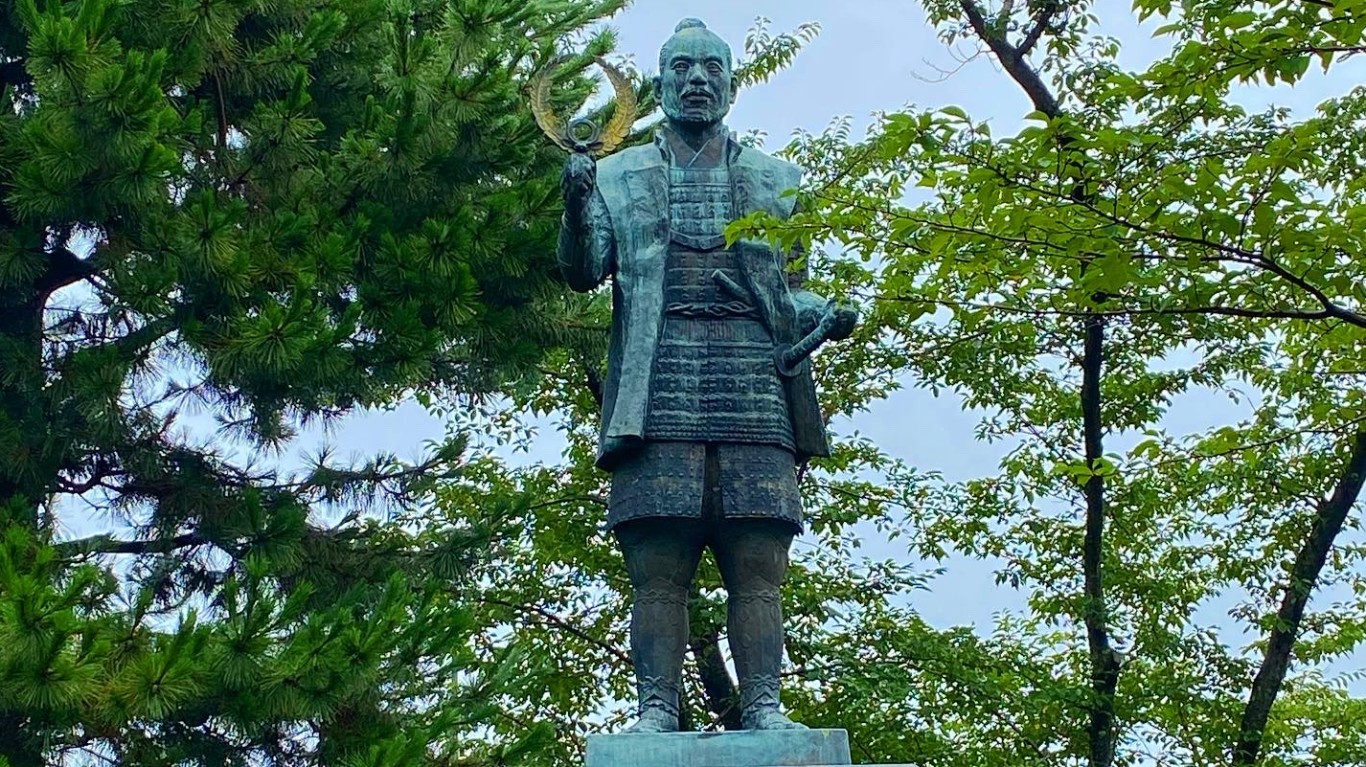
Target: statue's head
{"type": "Point", "coordinates": [695, 83]}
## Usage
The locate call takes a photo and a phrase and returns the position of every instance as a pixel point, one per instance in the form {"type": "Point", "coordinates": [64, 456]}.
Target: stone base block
{"type": "Point", "coordinates": [744, 748]}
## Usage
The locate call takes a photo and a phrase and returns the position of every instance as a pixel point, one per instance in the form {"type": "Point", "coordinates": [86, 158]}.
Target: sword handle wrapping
{"type": "Point", "coordinates": [788, 358]}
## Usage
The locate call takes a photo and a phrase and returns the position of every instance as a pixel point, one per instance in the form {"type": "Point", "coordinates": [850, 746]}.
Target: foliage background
{"type": "Point", "coordinates": [520, 607]}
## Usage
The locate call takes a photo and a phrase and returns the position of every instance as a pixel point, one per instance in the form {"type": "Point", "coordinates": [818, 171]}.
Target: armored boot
{"type": "Point", "coordinates": [759, 705]}
{"type": "Point", "coordinates": [756, 639]}
{"type": "Point", "coordinates": [658, 706]}
{"type": "Point", "coordinates": [659, 637]}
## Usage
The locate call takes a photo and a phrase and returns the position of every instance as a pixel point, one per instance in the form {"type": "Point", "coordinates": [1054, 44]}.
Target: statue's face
{"type": "Point", "coordinates": [695, 84]}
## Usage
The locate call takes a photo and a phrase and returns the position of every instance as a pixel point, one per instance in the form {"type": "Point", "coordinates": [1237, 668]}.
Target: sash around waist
{"type": "Point", "coordinates": [712, 310]}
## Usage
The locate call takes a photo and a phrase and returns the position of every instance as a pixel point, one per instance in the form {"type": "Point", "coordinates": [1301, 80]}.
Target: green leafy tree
{"type": "Point", "coordinates": [556, 601]}
{"type": "Point", "coordinates": [1141, 238]}
{"type": "Point", "coordinates": [277, 212]}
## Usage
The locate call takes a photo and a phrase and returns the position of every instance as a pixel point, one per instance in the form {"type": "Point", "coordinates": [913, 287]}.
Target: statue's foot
{"type": "Point", "coordinates": [769, 719]}
{"type": "Point", "coordinates": [654, 720]}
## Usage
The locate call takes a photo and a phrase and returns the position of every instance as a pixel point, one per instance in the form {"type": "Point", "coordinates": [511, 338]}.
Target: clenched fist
{"type": "Point", "coordinates": [579, 180]}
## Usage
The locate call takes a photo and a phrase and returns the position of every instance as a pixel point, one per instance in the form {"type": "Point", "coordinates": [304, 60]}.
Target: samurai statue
{"type": "Point", "coordinates": [708, 401]}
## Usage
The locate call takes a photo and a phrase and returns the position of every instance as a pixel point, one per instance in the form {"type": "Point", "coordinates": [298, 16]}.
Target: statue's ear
{"type": "Point", "coordinates": [657, 83]}
{"type": "Point", "coordinates": [734, 87]}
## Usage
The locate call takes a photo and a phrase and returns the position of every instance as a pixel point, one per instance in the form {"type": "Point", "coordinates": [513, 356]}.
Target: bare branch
{"type": "Point", "coordinates": [1233, 252]}
{"type": "Point", "coordinates": [1041, 23]}
{"type": "Point", "coordinates": [538, 614]}
{"type": "Point", "coordinates": [1013, 61]}
{"type": "Point", "coordinates": [1230, 311]}
{"type": "Point", "coordinates": [1329, 307]}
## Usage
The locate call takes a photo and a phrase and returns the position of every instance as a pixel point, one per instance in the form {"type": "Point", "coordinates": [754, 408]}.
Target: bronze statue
{"type": "Point", "coordinates": [709, 403]}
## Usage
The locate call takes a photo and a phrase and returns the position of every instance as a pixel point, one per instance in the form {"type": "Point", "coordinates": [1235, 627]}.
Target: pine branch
{"type": "Point", "coordinates": [222, 114]}
{"type": "Point", "coordinates": [64, 268]}
{"type": "Point", "coordinates": [13, 72]}
{"type": "Point", "coordinates": [107, 544]}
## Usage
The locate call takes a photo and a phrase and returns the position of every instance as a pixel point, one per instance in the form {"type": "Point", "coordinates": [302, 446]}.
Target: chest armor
{"type": "Point", "coordinates": [700, 207]}
{"type": "Point", "coordinates": [714, 379]}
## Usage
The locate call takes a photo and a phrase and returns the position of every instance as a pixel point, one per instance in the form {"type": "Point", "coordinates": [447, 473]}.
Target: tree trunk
{"type": "Point", "coordinates": [722, 697]}
{"type": "Point", "coordinates": [23, 479]}
{"type": "Point", "coordinates": [24, 482]}
{"type": "Point", "coordinates": [1105, 663]}
{"type": "Point", "coordinates": [1328, 520]}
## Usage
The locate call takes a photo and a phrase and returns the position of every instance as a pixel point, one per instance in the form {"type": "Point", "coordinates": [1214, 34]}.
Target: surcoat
{"type": "Point", "coordinates": [695, 326]}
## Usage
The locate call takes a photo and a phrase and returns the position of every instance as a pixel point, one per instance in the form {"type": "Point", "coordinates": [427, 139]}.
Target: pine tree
{"type": "Point", "coordinates": [280, 211]}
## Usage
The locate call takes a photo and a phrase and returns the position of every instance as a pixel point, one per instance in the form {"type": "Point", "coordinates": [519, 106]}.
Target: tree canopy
{"type": "Point", "coordinates": [272, 212]}
{"type": "Point", "coordinates": [1143, 239]}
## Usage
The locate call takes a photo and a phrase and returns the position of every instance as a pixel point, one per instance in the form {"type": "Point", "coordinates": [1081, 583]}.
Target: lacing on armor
{"type": "Point", "coordinates": [759, 692]}
{"type": "Point", "coordinates": [657, 692]}
{"type": "Point", "coordinates": [714, 381]}
{"type": "Point", "coordinates": [712, 310]}
{"type": "Point", "coordinates": [662, 596]}
{"type": "Point", "coordinates": [756, 597]}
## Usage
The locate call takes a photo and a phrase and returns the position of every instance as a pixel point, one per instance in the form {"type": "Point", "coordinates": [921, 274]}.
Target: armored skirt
{"type": "Point", "coordinates": [719, 434]}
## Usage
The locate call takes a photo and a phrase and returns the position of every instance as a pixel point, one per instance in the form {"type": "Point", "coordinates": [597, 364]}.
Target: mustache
{"type": "Point", "coordinates": [697, 92]}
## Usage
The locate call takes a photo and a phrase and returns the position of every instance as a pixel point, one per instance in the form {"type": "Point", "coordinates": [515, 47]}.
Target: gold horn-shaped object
{"type": "Point", "coordinates": [581, 134]}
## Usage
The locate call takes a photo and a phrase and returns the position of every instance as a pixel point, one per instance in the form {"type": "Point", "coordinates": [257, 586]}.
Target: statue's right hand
{"type": "Point", "coordinates": [579, 180]}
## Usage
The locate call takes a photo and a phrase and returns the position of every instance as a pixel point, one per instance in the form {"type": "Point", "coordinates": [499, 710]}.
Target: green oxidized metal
{"type": "Point", "coordinates": [708, 401]}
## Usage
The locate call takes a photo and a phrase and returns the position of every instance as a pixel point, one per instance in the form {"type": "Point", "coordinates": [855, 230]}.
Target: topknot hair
{"type": "Point", "coordinates": [688, 28]}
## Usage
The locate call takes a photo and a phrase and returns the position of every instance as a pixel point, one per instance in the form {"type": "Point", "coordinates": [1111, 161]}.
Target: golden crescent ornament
{"type": "Point", "coordinates": [582, 134]}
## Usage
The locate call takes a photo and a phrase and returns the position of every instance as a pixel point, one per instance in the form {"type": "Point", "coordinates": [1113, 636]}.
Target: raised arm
{"type": "Point", "coordinates": [587, 252]}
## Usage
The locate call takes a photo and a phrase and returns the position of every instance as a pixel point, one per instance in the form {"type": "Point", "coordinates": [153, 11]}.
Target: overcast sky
{"type": "Point", "coordinates": [874, 55]}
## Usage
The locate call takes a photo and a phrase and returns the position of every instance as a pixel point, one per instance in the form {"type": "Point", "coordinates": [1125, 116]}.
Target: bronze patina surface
{"type": "Point", "coordinates": [708, 400]}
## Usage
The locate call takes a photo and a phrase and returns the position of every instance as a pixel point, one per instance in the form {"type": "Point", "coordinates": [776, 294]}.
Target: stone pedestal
{"type": "Point", "coordinates": [745, 748]}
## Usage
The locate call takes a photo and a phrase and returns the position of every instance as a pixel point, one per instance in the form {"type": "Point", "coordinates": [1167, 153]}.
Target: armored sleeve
{"type": "Point", "coordinates": [587, 249]}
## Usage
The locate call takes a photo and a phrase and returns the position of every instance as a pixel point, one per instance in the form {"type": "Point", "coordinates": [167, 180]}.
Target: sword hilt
{"type": "Point", "coordinates": [788, 358]}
